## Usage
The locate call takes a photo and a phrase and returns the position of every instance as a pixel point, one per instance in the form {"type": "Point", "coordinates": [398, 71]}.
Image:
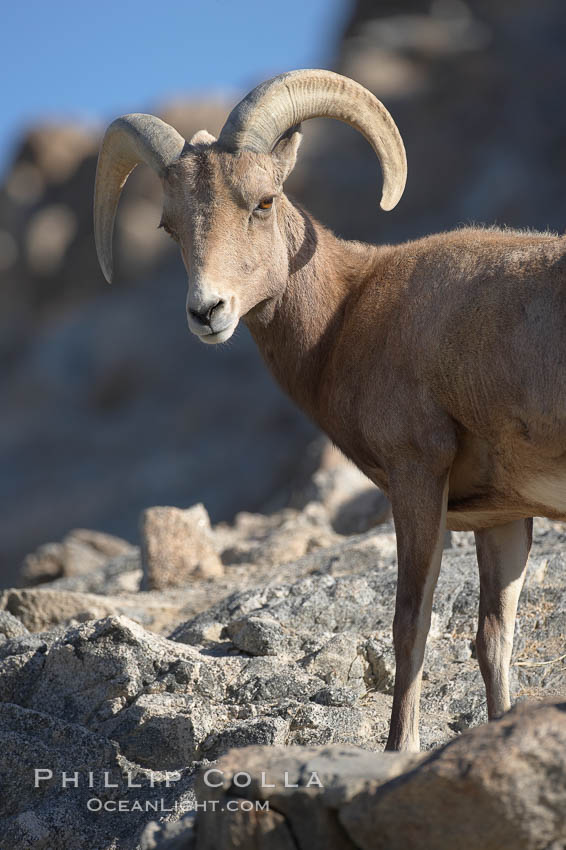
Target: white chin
{"type": "Point", "coordinates": [222, 336]}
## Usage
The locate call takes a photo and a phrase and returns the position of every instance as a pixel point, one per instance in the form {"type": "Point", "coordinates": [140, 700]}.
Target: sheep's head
{"type": "Point", "coordinates": [224, 210]}
{"type": "Point", "coordinates": [223, 197]}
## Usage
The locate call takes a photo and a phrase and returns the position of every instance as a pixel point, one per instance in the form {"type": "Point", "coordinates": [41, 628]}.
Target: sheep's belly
{"type": "Point", "coordinates": [475, 517]}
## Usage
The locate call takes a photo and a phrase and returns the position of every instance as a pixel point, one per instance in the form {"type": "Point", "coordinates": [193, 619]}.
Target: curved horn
{"type": "Point", "coordinates": [128, 141]}
{"type": "Point", "coordinates": [261, 118]}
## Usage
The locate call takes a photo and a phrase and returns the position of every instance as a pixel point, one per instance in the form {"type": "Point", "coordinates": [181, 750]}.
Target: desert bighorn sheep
{"type": "Point", "coordinates": [437, 365]}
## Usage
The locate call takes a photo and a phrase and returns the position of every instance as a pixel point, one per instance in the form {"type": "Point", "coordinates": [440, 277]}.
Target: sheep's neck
{"type": "Point", "coordinates": [296, 332]}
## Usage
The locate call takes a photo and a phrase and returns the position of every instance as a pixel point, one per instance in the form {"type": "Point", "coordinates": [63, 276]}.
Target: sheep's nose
{"type": "Point", "coordinates": [204, 316]}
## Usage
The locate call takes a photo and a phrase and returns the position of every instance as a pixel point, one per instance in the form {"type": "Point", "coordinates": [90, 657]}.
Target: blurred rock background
{"type": "Point", "coordinates": [109, 405]}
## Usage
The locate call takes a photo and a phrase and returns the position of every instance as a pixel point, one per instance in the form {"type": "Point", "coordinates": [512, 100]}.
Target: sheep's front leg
{"type": "Point", "coordinates": [419, 501]}
{"type": "Point", "coordinates": [502, 557]}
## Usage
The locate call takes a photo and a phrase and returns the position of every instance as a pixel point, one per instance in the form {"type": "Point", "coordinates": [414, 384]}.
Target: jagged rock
{"type": "Point", "coordinates": [335, 695]}
{"type": "Point", "coordinates": [164, 731]}
{"type": "Point", "coordinates": [313, 611]}
{"type": "Point", "coordinates": [39, 609]}
{"type": "Point", "coordinates": [339, 661]}
{"type": "Point", "coordinates": [80, 552]}
{"type": "Point", "coordinates": [107, 544]}
{"type": "Point", "coordinates": [120, 574]}
{"type": "Point", "coordinates": [335, 591]}
{"type": "Point", "coordinates": [268, 731]}
{"type": "Point", "coordinates": [118, 680]}
{"type": "Point", "coordinates": [10, 626]}
{"type": "Point", "coordinates": [165, 703]}
{"type": "Point", "coordinates": [177, 545]}
{"type": "Point", "coordinates": [59, 603]}
{"type": "Point", "coordinates": [277, 539]}
{"type": "Point", "coordinates": [259, 636]}
{"type": "Point", "coordinates": [57, 817]}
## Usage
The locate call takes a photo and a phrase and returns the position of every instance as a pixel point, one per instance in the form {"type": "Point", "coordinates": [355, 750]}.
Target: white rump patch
{"type": "Point", "coordinates": [547, 490]}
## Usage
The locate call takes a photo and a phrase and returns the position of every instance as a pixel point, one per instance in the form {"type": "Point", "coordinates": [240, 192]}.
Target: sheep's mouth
{"type": "Point", "coordinates": [219, 336]}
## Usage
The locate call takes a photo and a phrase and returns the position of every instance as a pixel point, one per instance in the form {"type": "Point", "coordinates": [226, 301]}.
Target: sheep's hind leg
{"type": "Point", "coordinates": [419, 501]}
{"type": "Point", "coordinates": [502, 557]}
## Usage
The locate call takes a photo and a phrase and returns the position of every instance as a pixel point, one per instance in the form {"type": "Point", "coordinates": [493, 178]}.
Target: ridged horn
{"type": "Point", "coordinates": [267, 112]}
{"type": "Point", "coordinates": [128, 141]}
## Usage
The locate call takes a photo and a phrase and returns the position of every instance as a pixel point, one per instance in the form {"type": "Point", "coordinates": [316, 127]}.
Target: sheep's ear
{"type": "Point", "coordinates": [285, 152]}
{"type": "Point", "coordinates": [203, 137]}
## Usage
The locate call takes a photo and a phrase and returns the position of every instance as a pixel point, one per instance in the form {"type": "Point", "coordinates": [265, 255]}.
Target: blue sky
{"type": "Point", "coordinates": [94, 60]}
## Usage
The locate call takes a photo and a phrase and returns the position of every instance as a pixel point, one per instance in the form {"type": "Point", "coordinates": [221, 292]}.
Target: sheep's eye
{"type": "Point", "coordinates": [266, 204]}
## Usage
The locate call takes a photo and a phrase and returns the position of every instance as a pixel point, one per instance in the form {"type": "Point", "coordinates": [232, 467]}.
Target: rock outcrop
{"type": "Point", "coordinates": [498, 787]}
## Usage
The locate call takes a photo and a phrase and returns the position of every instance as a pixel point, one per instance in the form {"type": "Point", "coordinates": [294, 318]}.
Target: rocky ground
{"type": "Point", "coordinates": [273, 630]}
